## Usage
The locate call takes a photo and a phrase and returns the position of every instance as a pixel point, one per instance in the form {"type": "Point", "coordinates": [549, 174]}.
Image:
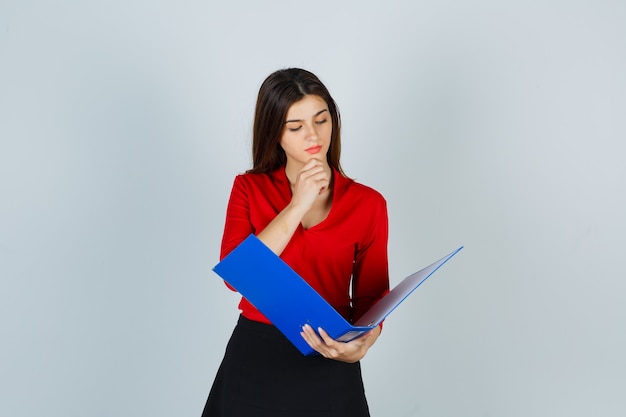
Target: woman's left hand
{"type": "Point", "coordinates": [349, 352]}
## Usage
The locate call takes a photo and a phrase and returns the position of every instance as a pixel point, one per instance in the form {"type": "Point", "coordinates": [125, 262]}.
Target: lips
{"type": "Point", "coordinates": [314, 149]}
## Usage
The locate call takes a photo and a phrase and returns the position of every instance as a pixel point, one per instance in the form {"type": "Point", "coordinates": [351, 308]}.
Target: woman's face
{"type": "Point", "coordinates": [307, 131]}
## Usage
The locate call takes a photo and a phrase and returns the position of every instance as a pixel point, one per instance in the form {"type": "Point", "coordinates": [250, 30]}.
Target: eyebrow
{"type": "Point", "coordinates": [299, 120]}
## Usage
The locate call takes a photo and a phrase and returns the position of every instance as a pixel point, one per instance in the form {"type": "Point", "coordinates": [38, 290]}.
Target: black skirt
{"type": "Point", "coordinates": [263, 374]}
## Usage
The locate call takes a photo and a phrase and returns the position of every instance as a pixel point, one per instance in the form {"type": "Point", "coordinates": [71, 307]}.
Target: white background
{"type": "Point", "coordinates": [495, 125]}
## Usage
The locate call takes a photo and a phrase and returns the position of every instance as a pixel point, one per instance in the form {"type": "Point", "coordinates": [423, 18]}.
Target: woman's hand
{"type": "Point", "coordinates": [349, 352]}
{"type": "Point", "coordinates": [311, 181]}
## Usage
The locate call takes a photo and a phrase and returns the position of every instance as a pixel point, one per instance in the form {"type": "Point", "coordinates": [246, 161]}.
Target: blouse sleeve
{"type": "Point", "coordinates": [237, 226]}
{"type": "Point", "coordinates": [370, 279]}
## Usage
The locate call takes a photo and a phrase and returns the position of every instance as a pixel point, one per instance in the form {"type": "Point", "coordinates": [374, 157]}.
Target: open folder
{"type": "Point", "coordinates": [289, 302]}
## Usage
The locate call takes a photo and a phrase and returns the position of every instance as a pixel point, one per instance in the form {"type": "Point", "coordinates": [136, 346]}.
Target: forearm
{"type": "Point", "coordinates": [279, 232]}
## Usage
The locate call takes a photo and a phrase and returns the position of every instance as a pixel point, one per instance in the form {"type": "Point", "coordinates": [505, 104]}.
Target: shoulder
{"type": "Point", "coordinates": [361, 205]}
{"type": "Point", "coordinates": [351, 194]}
{"type": "Point", "coordinates": [353, 189]}
{"type": "Point", "coordinates": [254, 179]}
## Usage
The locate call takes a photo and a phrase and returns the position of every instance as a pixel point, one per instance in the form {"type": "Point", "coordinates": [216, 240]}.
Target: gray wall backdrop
{"type": "Point", "coordinates": [496, 125]}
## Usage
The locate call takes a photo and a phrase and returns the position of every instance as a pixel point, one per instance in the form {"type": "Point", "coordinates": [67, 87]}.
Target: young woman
{"type": "Point", "coordinates": [330, 229]}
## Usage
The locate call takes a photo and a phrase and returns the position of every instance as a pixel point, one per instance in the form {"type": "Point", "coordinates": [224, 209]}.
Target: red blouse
{"type": "Point", "coordinates": [344, 254]}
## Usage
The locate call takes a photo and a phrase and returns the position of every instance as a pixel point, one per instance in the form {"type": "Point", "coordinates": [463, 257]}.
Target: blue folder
{"type": "Point", "coordinates": [289, 302]}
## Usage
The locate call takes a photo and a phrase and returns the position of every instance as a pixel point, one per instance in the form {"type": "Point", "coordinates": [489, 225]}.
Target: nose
{"type": "Point", "coordinates": [311, 134]}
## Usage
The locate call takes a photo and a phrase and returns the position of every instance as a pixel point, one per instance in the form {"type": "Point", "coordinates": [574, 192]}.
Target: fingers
{"type": "Point", "coordinates": [328, 341]}
{"type": "Point", "coordinates": [323, 343]}
{"type": "Point", "coordinates": [329, 348]}
{"type": "Point", "coordinates": [311, 181]}
{"type": "Point", "coordinates": [314, 171]}
{"type": "Point", "coordinates": [313, 162]}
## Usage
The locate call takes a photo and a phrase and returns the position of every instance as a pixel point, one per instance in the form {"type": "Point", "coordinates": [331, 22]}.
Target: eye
{"type": "Point", "coordinates": [294, 129]}
{"type": "Point", "coordinates": [321, 122]}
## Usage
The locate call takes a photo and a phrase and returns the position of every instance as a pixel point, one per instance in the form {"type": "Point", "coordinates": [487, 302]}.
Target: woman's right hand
{"type": "Point", "coordinates": [311, 181]}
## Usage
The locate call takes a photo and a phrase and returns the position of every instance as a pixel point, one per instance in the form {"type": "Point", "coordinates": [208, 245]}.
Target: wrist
{"type": "Point", "coordinates": [295, 210]}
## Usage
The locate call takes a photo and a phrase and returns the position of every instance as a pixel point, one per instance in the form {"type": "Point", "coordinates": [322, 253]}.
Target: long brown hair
{"type": "Point", "coordinates": [277, 93]}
